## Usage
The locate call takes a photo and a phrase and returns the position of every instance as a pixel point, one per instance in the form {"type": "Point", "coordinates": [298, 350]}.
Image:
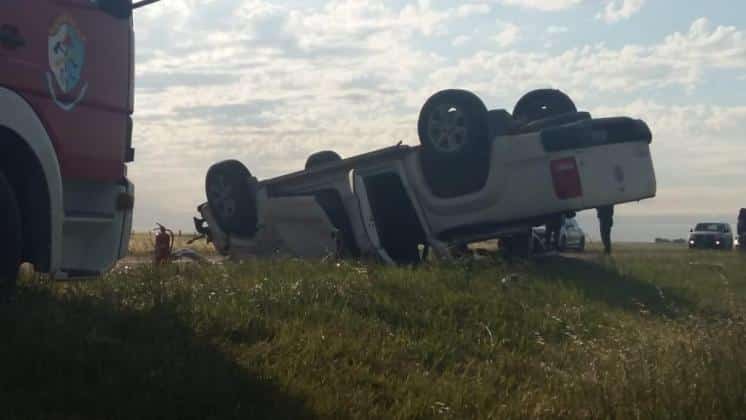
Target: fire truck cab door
{"type": "Point", "coordinates": [73, 64]}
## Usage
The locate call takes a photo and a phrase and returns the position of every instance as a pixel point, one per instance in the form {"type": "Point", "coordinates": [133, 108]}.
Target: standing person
{"type": "Point", "coordinates": [606, 221]}
{"type": "Point", "coordinates": [741, 229]}
{"type": "Point", "coordinates": [552, 231]}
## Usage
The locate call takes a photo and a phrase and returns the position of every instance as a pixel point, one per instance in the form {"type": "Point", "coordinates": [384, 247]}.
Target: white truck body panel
{"type": "Point", "coordinates": [288, 227]}
{"type": "Point", "coordinates": [527, 183]}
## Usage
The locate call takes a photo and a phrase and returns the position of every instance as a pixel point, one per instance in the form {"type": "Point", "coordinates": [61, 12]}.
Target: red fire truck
{"type": "Point", "coordinates": [66, 99]}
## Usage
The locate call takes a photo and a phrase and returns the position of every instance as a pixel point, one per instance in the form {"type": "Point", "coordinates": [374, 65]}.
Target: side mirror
{"type": "Point", "coordinates": [120, 9]}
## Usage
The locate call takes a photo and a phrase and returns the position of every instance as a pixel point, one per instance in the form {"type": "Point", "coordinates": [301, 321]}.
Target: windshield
{"type": "Point", "coordinates": [710, 227]}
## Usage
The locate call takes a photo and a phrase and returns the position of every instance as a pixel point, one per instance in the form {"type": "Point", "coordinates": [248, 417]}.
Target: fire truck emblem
{"type": "Point", "coordinates": [66, 60]}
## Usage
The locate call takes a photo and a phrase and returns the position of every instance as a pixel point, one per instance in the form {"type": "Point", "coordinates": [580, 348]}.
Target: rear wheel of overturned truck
{"type": "Point", "coordinates": [231, 194]}
{"type": "Point", "coordinates": [10, 232]}
{"type": "Point", "coordinates": [543, 108]}
{"type": "Point", "coordinates": [543, 103]}
{"type": "Point", "coordinates": [454, 132]}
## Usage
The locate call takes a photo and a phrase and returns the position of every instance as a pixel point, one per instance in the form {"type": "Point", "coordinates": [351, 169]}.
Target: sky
{"type": "Point", "coordinates": [269, 83]}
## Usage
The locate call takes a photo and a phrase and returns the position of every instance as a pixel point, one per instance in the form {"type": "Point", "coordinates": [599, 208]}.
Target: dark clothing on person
{"type": "Point", "coordinates": [552, 232]}
{"type": "Point", "coordinates": [606, 221]}
{"type": "Point", "coordinates": [741, 228]}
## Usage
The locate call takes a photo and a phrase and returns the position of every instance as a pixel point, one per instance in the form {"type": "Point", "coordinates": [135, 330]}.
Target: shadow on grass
{"type": "Point", "coordinates": [606, 284]}
{"type": "Point", "coordinates": [81, 359]}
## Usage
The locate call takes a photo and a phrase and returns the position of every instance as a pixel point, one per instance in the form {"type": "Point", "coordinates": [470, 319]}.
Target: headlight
{"type": "Point", "coordinates": [691, 241]}
{"type": "Point", "coordinates": [717, 242]}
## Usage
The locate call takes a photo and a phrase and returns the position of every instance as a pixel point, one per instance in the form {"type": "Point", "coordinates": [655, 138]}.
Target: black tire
{"type": "Point", "coordinates": [464, 167]}
{"type": "Point", "coordinates": [542, 103]}
{"type": "Point", "coordinates": [231, 194]}
{"type": "Point", "coordinates": [453, 123]}
{"type": "Point", "coordinates": [10, 232]}
{"type": "Point", "coordinates": [322, 158]}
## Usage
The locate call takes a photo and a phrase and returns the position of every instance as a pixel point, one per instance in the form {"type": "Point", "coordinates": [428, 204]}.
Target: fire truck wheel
{"type": "Point", "coordinates": [542, 103]}
{"type": "Point", "coordinates": [452, 124]}
{"type": "Point", "coordinates": [231, 195]}
{"type": "Point", "coordinates": [10, 232]}
{"type": "Point", "coordinates": [322, 158]}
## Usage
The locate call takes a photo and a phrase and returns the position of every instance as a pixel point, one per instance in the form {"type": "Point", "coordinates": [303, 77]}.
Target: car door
{"type": "Point", "coordinates": [73, 64]}
{"type": "Point", "coordinates": [367, 216]}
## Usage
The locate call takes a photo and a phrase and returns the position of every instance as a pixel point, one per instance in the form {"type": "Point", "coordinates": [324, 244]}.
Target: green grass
{"type": "Point", "coordinates": [653, 332]}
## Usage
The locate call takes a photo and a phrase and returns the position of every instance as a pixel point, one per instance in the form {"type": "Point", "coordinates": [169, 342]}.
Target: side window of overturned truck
{"type": "Point", "coordinates": [66, 99]}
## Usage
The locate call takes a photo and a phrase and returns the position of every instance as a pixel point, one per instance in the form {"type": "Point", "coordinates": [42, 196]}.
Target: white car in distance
{"type": "Point", "coordinates": [571, 237]}
{"type": "Point", "coordinates": [477, 174]}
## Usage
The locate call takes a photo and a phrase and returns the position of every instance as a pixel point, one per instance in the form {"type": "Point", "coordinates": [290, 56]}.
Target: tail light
{"type": "Point", "coordinates": [566, 178]}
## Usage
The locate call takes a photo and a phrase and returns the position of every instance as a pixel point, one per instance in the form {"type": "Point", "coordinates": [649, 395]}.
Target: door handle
{"type": "Point", "coordinates": [10, 37]}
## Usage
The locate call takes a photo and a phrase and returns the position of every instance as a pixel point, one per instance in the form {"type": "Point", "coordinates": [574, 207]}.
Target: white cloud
{"type": "Point", "coordinates": [508, 35]}
{"type": "Point", "coordinates": [471, 9]}
{"type": "Point", "coordinates": [557, 29]}
{"type": "Point", "coordinates": [722, 47]}
{"type": "Point", "coordinates": [460, 40]}
{"type": "Point", "coordinates": [681, 60]}
{"type": "Point", "coordinates": [616, 10]}
{"type": "Point", "coordinates": [543, 5]}
{"type": "Point", "coordinates": [268, 85]}
{"type": "Point", "coordinates": [697, 150]}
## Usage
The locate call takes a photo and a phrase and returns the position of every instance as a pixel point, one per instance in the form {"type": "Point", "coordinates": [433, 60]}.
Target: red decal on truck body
{"type": "Point", "coordinates": [566, 178]}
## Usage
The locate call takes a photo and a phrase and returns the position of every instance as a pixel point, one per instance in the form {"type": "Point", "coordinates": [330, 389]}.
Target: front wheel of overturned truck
{"type": "Point", "coordinates": [454, 132]}
{"type": "Point", "coordinates": [231, 194]}
{"type": "Point", "coordinates": [10, 232]}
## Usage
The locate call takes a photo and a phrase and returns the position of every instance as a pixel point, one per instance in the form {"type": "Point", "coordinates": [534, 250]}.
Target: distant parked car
{"type": "Point", "coordinates": [711, 235]}
{"type": "Point", "coordinates": [571, 236]}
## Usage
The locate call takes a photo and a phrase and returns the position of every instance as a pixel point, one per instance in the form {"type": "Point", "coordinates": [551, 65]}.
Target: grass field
{"type": "Point", "coordinates": [141, 244]}
{"type": "Point", "coordinates": [652, 332]}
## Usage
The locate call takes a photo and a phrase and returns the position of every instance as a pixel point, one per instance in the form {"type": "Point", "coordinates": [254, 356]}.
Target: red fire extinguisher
{"type": "Point", "coordinates": [164, 244]}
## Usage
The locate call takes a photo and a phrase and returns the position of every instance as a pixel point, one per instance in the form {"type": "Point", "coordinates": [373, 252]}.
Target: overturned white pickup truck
{"type": "Point", "coordinates": [477, 175]}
